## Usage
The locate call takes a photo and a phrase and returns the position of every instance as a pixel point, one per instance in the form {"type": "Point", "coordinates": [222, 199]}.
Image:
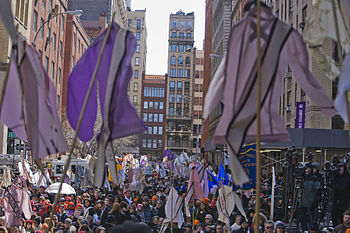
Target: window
{"type": "Point", "coordinates": [186, 111]}
{"type": "Point", "coordinates": [171, 111]}
{"type": "Point", "coordinates": [144, 117]}
{"type": "Point", "coordinates": [150, 129]}
{"type": "Point", "coordinates": [136, 86]}
{"type": "Point", "coordinates": [161, 105]}
{"type": "Point", "coordinates": [61, 49]}
{"type": "Point", "coordinates": [173, 34]}
{"type": "Point", "coordinates": [179, 85]}
{"type": "Point", "coordinates": [182, 24]}
{"type": "Point", "coordinates": [149, 143]}
{"type": "Point", "coordinates": [145, 105]}
{"type": "Point", "coordinates": [54, 42]}
{"type": "Point", "coordinates": [136, 74]}
{"type": "Point", "coordinates": [42, 29]}
{"type": "Point", "coordinates": [181, 35]}
{"type": "Point", "coordinates": [178, 98]}
{"type": "Point", "coordinates": [155, 117]}
{"type": "Point", "coordinates": [134, 99]}
{"type": "Point", "coordinates": [189, 24]}
{"type": "Point", "coordinates": [188, 48]}
{"type": "Point", "coordinates": [160, 143]}
{"type": "Point", "coordinates": [178, 111]}
{"type": "Point", "coordinates": [172, 72]}
{"type": "Point", "coordinates": [181, 48]}
{"type": "Point", "coordinates": [179, 73]}
{"type": "Point", "coordinates": [144, 142]}
{"type": "Point", "coordinates": [130, 22]}
{"type": "Point", "coordinates": [187, 73]}
{"type": "Point", "coordinates": [52, 70]}
{"type": "Point", "coordinates": [50, 4]}
{"type": "Point", "coordinates": [138, 24]}
{"type": "Point", "coordinates": [154, 143]}
{"type": "Point", "coordinates": [137, 48]}
{"type": "Point", "coordinates": [150, 117]}
{"type": "Point", "coordinates": [173, 60]}
{"type": "Point", "coordinates": [161, 117]}
{"type": "Point", "coordinates": [47, 64]}
{"type": "Point", "coordinates": [73, 61]}
{"type": "Point", "coordinates": [35, 20]}
{"type": "Point", "coordinates": [137, 35]}
{"type": "Point", "coordinates": [171, 98]}
{"type": "Point", "coordinates": [188, 60]}
{"type": "Point", "coordinates": [160, 130]}
{"type": "Point", "coordinates": [151, 105]}
{"type": "Point", "coordinates": [59, 76]}
{"type": "Point", "coordinates": [62, 23]}
{"type": "Point", "coordinates": [137, 61]}
{"type": "Point", "coordinates": [189, 35]}
{"type": "Point", "coordinates": [174, 23]}
{"type": "Point", "coordinates": [155, 130]}
{"type": "Point", "coordinates": [173, 48]}
{"type": "Point", "coordinates": [156, 105]}
{"type": "Point", "coordinates": [180, 60]}
{"type": "Point", "coordinates": [172, 85]}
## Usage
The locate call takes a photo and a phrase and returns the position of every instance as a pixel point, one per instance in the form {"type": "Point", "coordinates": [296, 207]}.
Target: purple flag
{"type": "Point", "coordinates": [166, 153]}
{"type": "Point", "coordinates": [44, 132]}
{"type": "Point", "coordinates": [300, 115]}
{"type": "Point", "coordinates": [123, 120]}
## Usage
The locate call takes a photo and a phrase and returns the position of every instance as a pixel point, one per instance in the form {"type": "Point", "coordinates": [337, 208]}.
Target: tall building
{"type": "Point", "coordinates": [92, 8]}
{"type": "Point", "coordinates": [153, 115]}
{"type": "Point", "coordinates": [137, 24]}
{"type": "Point", "coordinates": [180, 82]}
{"type": "Point", "coordinates": [197, 101]}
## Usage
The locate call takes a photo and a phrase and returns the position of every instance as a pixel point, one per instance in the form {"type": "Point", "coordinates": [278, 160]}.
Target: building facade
{"type": "Point", "coordinates": [198, 102]}
{"type": "Point", "coordinates": [92, 8]}
{"type": "Point", "coordinates": [152, 142]}
{"type": "Point", "coordinates": [137, 24]}
{"type": "Point", "coordinates": [180, 82]}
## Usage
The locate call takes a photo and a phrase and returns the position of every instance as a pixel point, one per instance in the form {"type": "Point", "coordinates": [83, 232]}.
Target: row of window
{"type": "Point", "coordinates": [153, 117]}
{"type": "Point", "coordinates": [180, 48]}
{"type": "Point", "coordinates": [138, 23]}
{"type": "Point", "coordinates": [153, 105]}
{"type": "Point", "coordinates": [153, 92]}
{"type": "Point", "coordinates": [182, 35]}
{"type": "Point", "coordinates": [180, 73]}
{"type": "Point", "coordinates": [152, 143]}
{"type": "Point", "coordinates": [155, 130]}
{"type": "Point", "coordinates": [179, 85]}
{"type": "Point", "coordinates": [182, 24]}
{"type": "Point", "coordinates": [180, 60]}
{"type": "Point", "coordinates": [179, 111]}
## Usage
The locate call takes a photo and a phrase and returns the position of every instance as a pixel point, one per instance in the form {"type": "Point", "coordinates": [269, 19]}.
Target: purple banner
{"type": "Point", "coordinates": [300, 115]}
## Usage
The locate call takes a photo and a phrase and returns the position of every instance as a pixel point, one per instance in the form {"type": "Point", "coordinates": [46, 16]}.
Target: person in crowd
{"type": "Point", "coordinates": [345, 226]}
{"type": "Point", "coordinates": [268, 227]}
{"type": "Point", "coordinates": [154, 224]}
{"type": "Point", "coordinates": [311, 190]}
{"type": "Point", "coordinates": [244, 226]}
{"type": "Point", "coordinates": [219, 228]}
{"type": "Point", "coordinates": [104, 211]}
{"type": "Point", "coordinates": [148, 210]}
{"type": "Point", "coordinates": [28, 227]}
{"type": "Point", "coordinates": [130, 227]}
{"type": "Point", "coordinates": [202, 211]}
{"type": "Point", "coordinates": [128, 197]}
{"type": "Point", "coordinates": [236, 226]}
{"type": "Point", "coordinates": [68, 225]}
{"type": "Point", "coordinates": [140, 212]}
{"type": "Point", "coordinates": [61, 215]}
{"type": "Point", "coordinates": [208, 220]}
{"type": "Point", "coordinates": [160, 209]}
{"type": "Point", "coordinates": [280, 227]}
{"type": "Point", "coordinates": [341, 198]}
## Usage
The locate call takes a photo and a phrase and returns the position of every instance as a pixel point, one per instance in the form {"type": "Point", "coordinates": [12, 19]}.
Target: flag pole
{"type": "Point", "coordinates": [172, 201]}
{"type": "Point", "coordinates": [193, 209]}
{"type": "Point", "coordinates": [258, 118]}
{"type": "Point", "coordinates": [82, 112]}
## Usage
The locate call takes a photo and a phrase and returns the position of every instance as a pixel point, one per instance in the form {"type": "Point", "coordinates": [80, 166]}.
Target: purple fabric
{"type": "Point", "coordinates": [123, 118]}
{"type": "Point", "coordinates": [166, 153]}
{"type": "Point", "coordinates": [39, 100]}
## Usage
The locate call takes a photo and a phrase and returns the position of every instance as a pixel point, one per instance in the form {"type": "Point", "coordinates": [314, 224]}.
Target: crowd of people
{"type": "Point", "coordinates": [98, 210]}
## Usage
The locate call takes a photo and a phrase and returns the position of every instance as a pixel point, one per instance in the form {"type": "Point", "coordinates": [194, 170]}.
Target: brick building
{"type": "Point", "coordinates": [153, 112]}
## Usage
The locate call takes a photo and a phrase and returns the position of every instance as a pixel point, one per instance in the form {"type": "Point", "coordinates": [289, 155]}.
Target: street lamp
{"type": "Point", "coordinates": [75, 12]}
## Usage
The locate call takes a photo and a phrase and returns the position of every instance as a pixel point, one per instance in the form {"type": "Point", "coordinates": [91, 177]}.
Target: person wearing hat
{"type": "Point", "coordinates": [310, 192]}
{"type": "Point", "coordinates": [341, 198]}
{"type": "Point", "coordinates": [28, 227]}
{"type": "Point", "coordinates": [280, 227]}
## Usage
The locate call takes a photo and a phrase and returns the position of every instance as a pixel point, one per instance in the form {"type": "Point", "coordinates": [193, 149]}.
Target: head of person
{"type": "Point", "coordinates": [208, 218]}
{"type": "Point", "coordinates": [155, 220]}
{"type": "Point", "coordinates": [269, 226]}
{"type": "Point", "coordinates": [107, 201]}
{"type": "Point", "coordinates": [29, 224]}
{"type": "Point", "coordinates": [87, 202]}
{"type": "Point", "coordinates": [238, 219]}
{"type": "Point", "coordinates": [61, 209]}
{"type": "Point", "coordinates": [139, 207]}
{"type": "Point", "coordinates": [346, 218]}
{"type": "Point", "coordinates": [159, 204]}
{"type": "Point", "coordinates": [209, 227]}
{"type": "Point", "coordinates": [128, 193]}
{"type": "Point", "coordinates": [145, 201]}
{"type": "Point", "coordinates": [188, 227]}
{"type": "Point", "coordinates": [308, 169]}
{"type": "Point", "coordinates": [100, 229]}
{"type": "Point", "coordinates": [341, 169]}
{"type": "Point", "coordinates": [160, 221]}
{"type": "Point", "coordinates": [130, 227]}
{"type": "Point", "coordinates": [219, 228]}
{"type": "Point", "coordinates": [55, 219]}
{"type": "Point", "coordinates": [100, 204]}
{"type": "Point", "coordinates": [280, 227]}
{"type": "Point", "coordinates": [244, 223]}
{"type": "Point", "coordinates": [314, 228]}
{"type": "Point", "coordinates": [199, 227]}
{"type": "Point", "coordinates": [203, 205]}
{"type": "Point", "coordinates": [67, 223]}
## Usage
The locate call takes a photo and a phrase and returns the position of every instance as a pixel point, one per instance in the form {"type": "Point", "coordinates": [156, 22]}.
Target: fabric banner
{"type": "Point", "coordinates": [248, 161]}
{"type": "Point", "coordinates": [300, 115]}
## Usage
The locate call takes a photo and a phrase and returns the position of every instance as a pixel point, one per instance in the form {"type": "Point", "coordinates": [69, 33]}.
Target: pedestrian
{"type": "Point", "coordinates": [345, 226]}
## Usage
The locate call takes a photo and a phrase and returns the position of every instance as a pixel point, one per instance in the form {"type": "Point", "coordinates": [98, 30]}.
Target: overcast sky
{"type": "Point", "coordinates": [157, 23]}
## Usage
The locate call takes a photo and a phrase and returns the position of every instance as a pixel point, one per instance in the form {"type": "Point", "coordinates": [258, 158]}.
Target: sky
{"type": "Point", "coordinates": [157, 23]}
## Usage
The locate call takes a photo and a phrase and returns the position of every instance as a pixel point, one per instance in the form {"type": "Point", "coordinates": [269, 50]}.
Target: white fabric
{"type": "Point", "coordinates": [173, 208]}
{"type": "Point", "coordinates": [66, 188]}
{"type": "Point", "coordinates": [343, 87]}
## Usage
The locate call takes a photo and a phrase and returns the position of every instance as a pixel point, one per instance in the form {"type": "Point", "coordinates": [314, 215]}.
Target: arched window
{"type": "Point", "coordinates": [180, 60]}
{"type": "Point", "coordinates": [172, 60]}
{"type": "Point", "coordinates": [188, 60]}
